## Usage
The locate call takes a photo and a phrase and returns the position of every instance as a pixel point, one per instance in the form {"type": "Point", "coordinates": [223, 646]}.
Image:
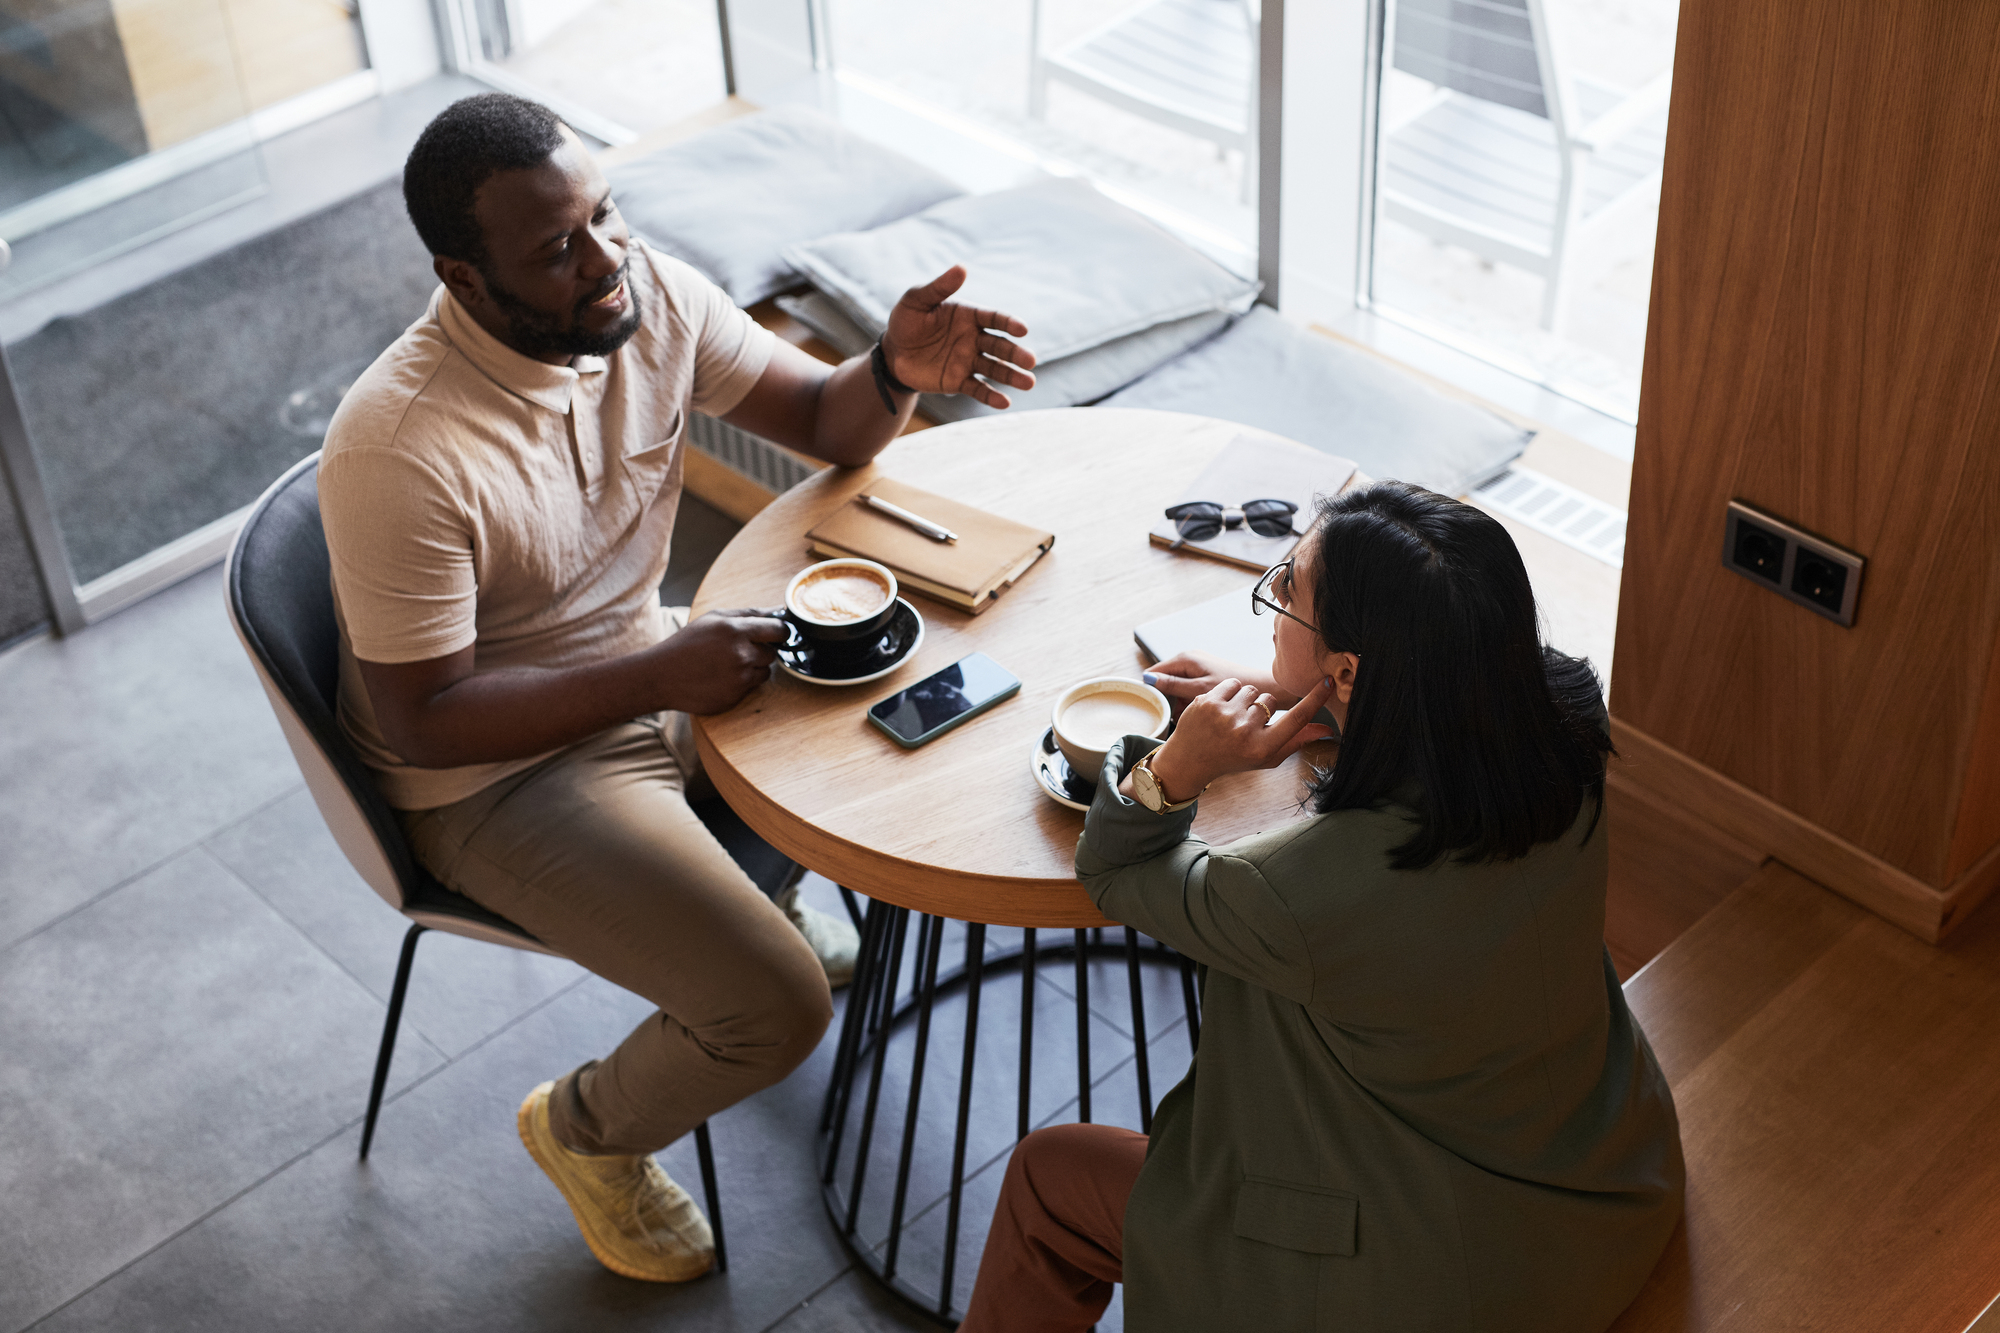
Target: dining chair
{"type": "Point", "coordinates": [1512, 156]}
{"type": "Point", "coordinates": [280, 596]}
{"type": "Point", "coordinates": [1190, 65]}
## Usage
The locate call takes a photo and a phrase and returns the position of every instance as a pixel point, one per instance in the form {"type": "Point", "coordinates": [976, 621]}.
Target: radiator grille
{"type": "Point", "coordinates": [1560, 511]}
{"type": "Point", "coordinates": [775, 469]}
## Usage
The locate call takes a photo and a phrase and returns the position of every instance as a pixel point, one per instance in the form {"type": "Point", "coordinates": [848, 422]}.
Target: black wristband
{"type": "Point", "coordinates": [878, 361]}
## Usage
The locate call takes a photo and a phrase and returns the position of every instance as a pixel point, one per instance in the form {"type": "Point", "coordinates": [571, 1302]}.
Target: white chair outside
{"type": "Point", "coordinates": [1512, 158]}
{"type": "Point", "coordinates": [1190, 65]}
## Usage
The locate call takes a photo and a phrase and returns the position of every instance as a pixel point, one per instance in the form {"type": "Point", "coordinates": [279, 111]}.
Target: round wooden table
{"type": "Point", "coordinates": [959, 829]}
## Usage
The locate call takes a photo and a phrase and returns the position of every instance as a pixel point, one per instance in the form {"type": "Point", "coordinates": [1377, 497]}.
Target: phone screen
{"type": "Point", "coordinates": [935, 702]}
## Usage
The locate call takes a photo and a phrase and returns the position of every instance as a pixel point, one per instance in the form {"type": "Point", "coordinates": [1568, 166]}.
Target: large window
{"type": "Point", "coordinates": [1517, 183]}
{"type": "Point", "coordinates": [1507, 207]}
{"type": "Point", "coordinates": [122, 121]}
{"type": "Point", "coordinates": [1158, 98]}
{"type": "Point", "coordinates": [1510, 198]}
{"type": "Point", "coordinates": [617, 69]}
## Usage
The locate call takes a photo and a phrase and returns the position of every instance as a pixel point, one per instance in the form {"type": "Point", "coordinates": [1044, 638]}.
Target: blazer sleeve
{"type": "Point", "coordinates": [1149, 871]}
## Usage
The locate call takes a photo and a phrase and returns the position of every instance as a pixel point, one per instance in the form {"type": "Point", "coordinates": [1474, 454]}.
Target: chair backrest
{"type": "Point", "coordinates": [280, 589]}
{"type": "Point", "coordinates": [1482, 48]}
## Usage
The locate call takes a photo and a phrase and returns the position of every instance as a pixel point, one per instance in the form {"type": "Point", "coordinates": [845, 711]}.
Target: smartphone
{"type": "Point", "coordinates": [936, 704]}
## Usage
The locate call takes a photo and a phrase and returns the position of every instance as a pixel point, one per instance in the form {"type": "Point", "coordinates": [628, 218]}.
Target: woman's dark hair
{"type": "Point", "coordinates": [466, 143]}
{"type": "Point", "coordinates": [1459, 709]}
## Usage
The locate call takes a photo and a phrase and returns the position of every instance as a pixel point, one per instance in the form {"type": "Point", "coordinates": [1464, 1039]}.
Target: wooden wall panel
{"type": "Point", "coordinates": [1823, 341]}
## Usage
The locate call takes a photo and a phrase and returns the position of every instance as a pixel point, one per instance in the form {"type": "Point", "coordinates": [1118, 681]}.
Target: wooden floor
{"type": "Point", "coordinates": [1666, 874]}
{"type": "Point", "coordinates": [1838, 1084]}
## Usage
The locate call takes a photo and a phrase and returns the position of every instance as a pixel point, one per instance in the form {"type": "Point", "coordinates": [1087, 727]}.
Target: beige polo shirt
{"type": "Point", "coordinates": [475, 496]}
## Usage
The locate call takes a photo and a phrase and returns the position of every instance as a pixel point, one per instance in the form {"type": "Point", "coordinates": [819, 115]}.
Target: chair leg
{"type": "Point", "coordinates": [711, 1194]}
{"type": "Point", "coordinates": [389, 1026]}
{"type": "Point", "coordinates": [1569, 214]}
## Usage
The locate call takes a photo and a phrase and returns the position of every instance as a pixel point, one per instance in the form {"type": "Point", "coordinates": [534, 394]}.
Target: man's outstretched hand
{"type": "Point", "coordinates": [939, 346]}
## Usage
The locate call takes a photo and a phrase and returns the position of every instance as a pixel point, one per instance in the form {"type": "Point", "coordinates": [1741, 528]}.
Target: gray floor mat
{"type": "Point", "coordinates": [164, 410]}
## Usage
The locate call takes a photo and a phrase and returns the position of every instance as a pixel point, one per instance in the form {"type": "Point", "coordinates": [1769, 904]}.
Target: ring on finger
{"type": "Point", "coordinates": [1269, 716]}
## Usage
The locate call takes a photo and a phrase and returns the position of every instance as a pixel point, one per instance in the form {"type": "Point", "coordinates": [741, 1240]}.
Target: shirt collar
{"type": "Point", "coordinates": [540, 383]}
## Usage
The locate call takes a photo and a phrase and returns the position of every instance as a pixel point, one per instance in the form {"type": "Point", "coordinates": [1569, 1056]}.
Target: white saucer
{"type": "Point", "coordinates": [901, 638]}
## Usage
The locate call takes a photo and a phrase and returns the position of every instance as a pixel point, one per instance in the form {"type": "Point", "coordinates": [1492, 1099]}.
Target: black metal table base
{"type": "Point", "coordinates": [859, 1095]}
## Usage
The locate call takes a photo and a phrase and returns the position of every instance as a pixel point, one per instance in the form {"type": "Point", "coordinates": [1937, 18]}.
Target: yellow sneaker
{"type": "Point", "coordinates": [635, 1219]}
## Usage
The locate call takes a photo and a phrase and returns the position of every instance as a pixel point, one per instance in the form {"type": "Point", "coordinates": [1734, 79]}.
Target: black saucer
{"type": "Point", "coordinates": [1058, 779]}
{"type": "Point", "coordinates": [862, 660]}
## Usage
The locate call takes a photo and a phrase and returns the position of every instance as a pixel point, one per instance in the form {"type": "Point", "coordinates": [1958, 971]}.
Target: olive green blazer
{"type": "Point", "coordinates": [1419, 1103]}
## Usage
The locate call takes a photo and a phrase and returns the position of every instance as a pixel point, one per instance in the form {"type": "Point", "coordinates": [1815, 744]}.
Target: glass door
{"type": "Point", "coordinates": [119, 120]}
{"type": "Point", "coordinates": [134, 431]}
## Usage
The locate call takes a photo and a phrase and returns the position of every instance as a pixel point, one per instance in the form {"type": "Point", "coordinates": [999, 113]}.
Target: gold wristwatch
{"type": "Point", "coordinates": [1146, 786]}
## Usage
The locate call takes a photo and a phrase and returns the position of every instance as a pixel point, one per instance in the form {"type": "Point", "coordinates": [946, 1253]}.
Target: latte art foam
{"type": "Point", "coordinates": [838, 596]}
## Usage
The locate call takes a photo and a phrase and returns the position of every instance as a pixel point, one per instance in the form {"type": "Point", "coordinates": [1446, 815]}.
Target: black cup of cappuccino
{"type": "Point", "coordinates": [840, 605]}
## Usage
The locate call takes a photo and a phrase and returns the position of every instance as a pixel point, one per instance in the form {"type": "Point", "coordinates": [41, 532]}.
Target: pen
{"type": "Point", "coordinates": [936, 532]}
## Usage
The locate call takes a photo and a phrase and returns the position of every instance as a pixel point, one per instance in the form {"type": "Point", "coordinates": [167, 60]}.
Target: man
{"type": "Point", "coordinates": [499, 493]}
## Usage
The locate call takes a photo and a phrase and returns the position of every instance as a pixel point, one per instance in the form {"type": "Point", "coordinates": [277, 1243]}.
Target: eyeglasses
{"type": "Point", "coordinates": [1198, 520]}
{"type": "Point", "coordinates": [1277, 581]}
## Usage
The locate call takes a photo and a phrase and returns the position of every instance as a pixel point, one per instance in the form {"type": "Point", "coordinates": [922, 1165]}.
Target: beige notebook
{"type": "Point", "coordinates": [990, 553]}
{"type": "Point", "coordinates": [1258, 467]}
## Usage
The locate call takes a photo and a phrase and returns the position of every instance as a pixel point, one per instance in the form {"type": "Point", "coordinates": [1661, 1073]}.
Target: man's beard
{"type": "Point", "coordinates": [537, 333]}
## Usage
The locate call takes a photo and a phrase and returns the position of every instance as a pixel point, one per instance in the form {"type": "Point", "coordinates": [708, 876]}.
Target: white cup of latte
{"type": "Point", "coordinates": [1093, 715]}
{"type": "Point", "coordinates": [838, 601]}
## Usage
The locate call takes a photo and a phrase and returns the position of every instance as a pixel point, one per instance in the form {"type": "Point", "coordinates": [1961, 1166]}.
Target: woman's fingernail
{"type": "Point", "coordinates": [1149, 678]}
{"type": "Point", "coordinates": [1329, 682]}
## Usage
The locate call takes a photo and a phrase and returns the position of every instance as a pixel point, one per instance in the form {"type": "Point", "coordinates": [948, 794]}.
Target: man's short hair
{"type": "Point", "coordinates": [467, 142]}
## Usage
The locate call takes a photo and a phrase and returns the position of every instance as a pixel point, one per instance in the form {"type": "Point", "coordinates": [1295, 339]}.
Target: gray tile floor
{"type": "Point", "coordinates": [192, 982]}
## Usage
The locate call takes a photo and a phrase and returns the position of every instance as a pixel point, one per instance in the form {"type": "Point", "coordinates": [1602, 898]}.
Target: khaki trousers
{"type": "Point", "coordinates": [595, 852]}
{"type": "Point", "coordinates": [1058, 1238]}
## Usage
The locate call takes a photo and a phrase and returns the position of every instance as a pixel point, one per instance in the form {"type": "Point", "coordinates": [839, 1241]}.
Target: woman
{"type": "Point", "coordinates": [1420, 1102]}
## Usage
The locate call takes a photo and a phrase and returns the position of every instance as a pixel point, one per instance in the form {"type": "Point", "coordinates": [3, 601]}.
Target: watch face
{"type": "Point", "coordinates": [1147, 788]}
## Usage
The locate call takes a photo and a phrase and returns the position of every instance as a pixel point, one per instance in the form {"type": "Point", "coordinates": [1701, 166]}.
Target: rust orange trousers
{"type": "Point", "coordinates": [1058, 1238]}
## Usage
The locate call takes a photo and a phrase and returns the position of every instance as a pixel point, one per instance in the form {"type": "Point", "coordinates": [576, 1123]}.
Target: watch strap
{"type": "Point", "coordinates": [1166, 807]}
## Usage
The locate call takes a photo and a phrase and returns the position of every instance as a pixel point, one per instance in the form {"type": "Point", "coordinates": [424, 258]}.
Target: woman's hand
{"type": "Point", "coordinates": [1234, 728]}
{"type": "Point", "coordinates": [1185, 677]}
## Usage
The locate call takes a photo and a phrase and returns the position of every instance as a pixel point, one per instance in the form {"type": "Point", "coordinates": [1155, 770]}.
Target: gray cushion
{"type": "Point", "coordinates": [1264, 372]}
{"type": "Point", "coordinates": [820, 313]}
{"type": "Point", "coordinates": [1088, 376]}
{"type": "Point", "coordinates": [730, 200]}
{"type": "Point", "coordinates": [1078, 269]}
{"type": "Point", "coordinates": [1083, 378]}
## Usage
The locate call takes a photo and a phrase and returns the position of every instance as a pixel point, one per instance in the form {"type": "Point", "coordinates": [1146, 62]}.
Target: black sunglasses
{"type": "Point", "coordinates": [1198, 520]}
